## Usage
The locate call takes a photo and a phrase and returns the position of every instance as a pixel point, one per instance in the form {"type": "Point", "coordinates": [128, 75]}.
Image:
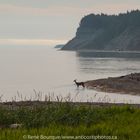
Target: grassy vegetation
{"type": "Point", "coordinates": [56, 119]}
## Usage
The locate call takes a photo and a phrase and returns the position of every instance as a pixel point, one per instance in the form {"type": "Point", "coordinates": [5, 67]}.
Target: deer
{"type": "Point", "coordinates": [79, 83]}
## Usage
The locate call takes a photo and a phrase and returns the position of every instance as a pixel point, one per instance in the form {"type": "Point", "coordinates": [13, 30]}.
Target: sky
{"type": "Point", "coordinates": [42, 22]}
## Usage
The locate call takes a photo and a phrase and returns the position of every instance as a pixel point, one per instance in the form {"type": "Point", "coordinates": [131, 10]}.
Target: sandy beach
{"type": "Point", "coordinates": [128, 84]}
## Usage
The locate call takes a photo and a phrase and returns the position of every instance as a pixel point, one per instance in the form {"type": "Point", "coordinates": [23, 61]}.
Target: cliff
{"type": "Point", "coordinates": [107, 32]}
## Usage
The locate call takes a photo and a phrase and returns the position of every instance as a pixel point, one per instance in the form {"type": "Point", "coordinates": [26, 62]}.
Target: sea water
{"type": "Point", "coordinates": [46, 73]}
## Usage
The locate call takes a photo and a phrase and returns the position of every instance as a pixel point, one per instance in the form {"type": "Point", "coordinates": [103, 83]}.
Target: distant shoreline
{"type": "Point", "coordinates": [114, 51]}
{"type": "Point", "coordinates": [106, 51]}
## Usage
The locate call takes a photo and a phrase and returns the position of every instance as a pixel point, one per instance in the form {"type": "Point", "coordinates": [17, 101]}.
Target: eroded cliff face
{"type": "Point", "coordinates": [103, 32]}
{"type": "Point", "coordinates": [129, 40]}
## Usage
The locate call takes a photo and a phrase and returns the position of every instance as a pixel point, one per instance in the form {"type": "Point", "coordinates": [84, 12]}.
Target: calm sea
{"type": "Point", "coordinates": [28, 72]}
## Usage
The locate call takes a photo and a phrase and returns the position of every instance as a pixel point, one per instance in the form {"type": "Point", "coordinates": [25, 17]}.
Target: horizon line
{"type": "Point", "coordinates": [42, 42]}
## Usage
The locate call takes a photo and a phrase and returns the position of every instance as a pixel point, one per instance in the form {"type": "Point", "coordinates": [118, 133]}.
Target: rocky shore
{"type": "Point", "coordinates": [34, 104]}
{"type": "Point", "coordinates": [128, 84]}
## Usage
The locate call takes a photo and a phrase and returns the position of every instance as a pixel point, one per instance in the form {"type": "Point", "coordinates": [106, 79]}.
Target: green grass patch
{"type": "Point", "coordinates": [67, 119]}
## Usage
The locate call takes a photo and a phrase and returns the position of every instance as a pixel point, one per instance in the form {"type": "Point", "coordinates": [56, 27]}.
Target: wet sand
{"type": "Point", "coordinates": [128, 84]}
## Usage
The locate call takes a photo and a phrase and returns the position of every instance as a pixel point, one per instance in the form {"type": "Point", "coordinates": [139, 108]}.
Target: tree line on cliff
{"type": "Point", "coordinates": [109, 32]}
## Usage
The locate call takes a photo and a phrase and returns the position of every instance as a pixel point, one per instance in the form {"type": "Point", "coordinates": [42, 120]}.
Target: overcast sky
{"type": "Point", "coordinates": [54, 21]}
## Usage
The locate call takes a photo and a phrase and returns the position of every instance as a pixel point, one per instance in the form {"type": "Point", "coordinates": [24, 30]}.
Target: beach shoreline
{"type": "Point", "coordinates": [127, 84]}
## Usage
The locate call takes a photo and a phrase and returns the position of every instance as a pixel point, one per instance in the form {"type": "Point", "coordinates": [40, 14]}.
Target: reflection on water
{"type": "Point", "coordinates": [108, 54]}
{"type": "Point", "coordinates": [106, 64]}
{"type": "Point", "coordinates": [51, 73]}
